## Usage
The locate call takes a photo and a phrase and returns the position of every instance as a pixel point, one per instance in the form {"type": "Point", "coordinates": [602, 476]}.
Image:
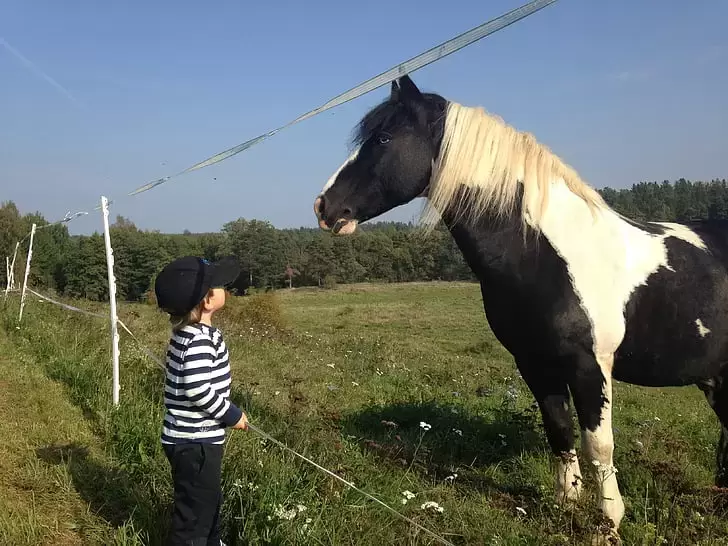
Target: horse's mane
{"type": "Point", "coordinates": [481, 152]}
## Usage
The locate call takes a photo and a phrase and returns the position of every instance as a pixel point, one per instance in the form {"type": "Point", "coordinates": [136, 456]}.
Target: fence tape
{"type": "Point", "coordinates": [415, 63]}
{"type": "Point", "coordinates": [349, 484]}
{"type": "Point", "coordinates": [146, 349]}
{"type": "Point", "coordinates": [434, 54]}
{"type": "Point", "coordinates": [255, 429]}
{"type": "Point", "coordinates": [407, 67]}
{"type": "Point", "coordinates": [154, 358]}
{"type": "Point", "coordinates": [66, 306]}
{"type": "Point", "coordinates": [67, 218]}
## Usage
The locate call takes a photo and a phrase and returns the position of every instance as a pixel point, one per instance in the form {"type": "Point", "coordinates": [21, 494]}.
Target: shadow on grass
{"type": "Point", "coordinates": [679, 512]}
{"type": "Point", "coordinates": [111, 493]}
{"type": "Point", "coordinates": [455, 440]}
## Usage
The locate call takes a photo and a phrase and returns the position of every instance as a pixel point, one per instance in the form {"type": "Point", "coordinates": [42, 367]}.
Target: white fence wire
{"type": "Point", "coordinates": [432, 55]}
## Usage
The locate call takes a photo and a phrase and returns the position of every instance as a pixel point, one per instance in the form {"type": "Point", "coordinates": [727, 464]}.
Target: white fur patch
{"type": "Point", "coordinates": [607, 258]}
{"type": "Point", "coordinates": [702, 330]}
{"type": "Point", "coordinates": [331, 180]}
{"type": "Point", "coordinates": [684, 233]}
{"type": "Point", "coordinates": [598, 448]}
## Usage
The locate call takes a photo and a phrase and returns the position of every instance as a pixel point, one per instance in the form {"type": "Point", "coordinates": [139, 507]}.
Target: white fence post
{"type": "Point", "coordinates": [12, 266]}
{"type": "Point", "coordinates": [112, 304]}
{"type": "Point", "coordinates": [11, 272]}
{"type": "Point", "coordinates": [27, 270]}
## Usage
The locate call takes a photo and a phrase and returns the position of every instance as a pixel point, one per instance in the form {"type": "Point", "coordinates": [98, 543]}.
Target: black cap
{"type": "Point", "coordinates": [183, 283]}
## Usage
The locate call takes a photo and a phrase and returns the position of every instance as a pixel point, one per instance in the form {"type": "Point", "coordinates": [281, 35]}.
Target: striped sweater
{"type": "Point", "coordinates": [197, 387]}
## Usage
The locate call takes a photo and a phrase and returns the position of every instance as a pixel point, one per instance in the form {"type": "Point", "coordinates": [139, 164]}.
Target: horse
{"type": "Point", "coordinates": [579, 294]}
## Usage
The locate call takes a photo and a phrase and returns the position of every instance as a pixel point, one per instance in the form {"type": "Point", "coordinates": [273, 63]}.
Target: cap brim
{"type": "Point", "coordinates": [224, 272]}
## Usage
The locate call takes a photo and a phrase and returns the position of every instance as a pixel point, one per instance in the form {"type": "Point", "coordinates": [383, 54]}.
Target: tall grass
{"type": "Point", "coordinates": [346, 377]}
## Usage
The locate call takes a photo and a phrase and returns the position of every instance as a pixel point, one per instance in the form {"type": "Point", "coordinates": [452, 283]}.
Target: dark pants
{"type": "Point", "coordinates": [196, 469]}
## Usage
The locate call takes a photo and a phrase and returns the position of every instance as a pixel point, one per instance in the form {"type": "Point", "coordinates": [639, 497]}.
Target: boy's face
{"type": "Point", "coordinates": [215, 300]}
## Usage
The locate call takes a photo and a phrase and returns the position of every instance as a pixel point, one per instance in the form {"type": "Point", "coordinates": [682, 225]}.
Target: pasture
{"type": "Point", "coordinates": [348, 377]}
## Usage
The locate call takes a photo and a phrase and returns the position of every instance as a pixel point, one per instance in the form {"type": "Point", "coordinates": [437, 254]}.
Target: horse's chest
{"type": "Point", "coordinates": [537, 319]}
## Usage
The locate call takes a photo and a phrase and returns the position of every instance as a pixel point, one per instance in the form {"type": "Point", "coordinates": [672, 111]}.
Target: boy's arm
{"type": "Point", "coordinates": [195, 378]}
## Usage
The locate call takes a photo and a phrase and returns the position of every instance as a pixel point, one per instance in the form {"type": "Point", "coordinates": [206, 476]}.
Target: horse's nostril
{"type": "Point", "coordinates": [347, 212]}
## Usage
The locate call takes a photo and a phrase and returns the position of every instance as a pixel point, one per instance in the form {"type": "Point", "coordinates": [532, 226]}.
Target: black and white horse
{"type": "Point", "coordinates": [578, 294]}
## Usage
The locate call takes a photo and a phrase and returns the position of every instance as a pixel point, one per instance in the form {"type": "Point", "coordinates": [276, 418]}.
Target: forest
{"type": "Point", "coordinates": [75, 265]}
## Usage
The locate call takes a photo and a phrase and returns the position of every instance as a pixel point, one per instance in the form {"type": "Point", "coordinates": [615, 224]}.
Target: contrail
{"type": "Point", "coordinates": [32, 66]}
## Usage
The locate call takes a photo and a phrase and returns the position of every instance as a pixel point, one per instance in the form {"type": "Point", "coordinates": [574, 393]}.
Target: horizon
{"type": "Point", "coordinates": [96, 103]}
{"type": "Point", "coordinates": [373, 224]}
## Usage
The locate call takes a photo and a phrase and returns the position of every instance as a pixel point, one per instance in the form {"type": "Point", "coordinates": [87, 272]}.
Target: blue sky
{"type": "Point", "coordinates": [622, 90]}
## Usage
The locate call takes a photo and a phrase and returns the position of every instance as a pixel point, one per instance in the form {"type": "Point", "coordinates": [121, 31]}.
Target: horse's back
{"type": "Point", "coordinates": [715, 235]}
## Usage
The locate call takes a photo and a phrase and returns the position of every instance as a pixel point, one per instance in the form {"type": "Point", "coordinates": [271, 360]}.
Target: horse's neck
{"type": "Point", "coordinates": [497, 249]}
{"type": "Point", "coordinates": [493, 248]}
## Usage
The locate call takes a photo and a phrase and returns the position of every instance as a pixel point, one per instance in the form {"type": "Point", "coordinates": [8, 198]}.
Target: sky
{"type": "Point", "coordinates": [97, 98]}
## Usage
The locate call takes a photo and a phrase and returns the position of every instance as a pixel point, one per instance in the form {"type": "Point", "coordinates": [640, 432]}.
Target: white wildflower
{"type": "Point", "coordinates": [430, 504]}
{"type": "Point", "coordinates": [451, 477]}
{"type": "Point", "coordinates": [457, 431]}
{"type": "Point", "coordinates": [281, 513]}
{"type": "Point", "coordinates": [425, 426]}
{"type": "Point", "coordinates": [408, 494]}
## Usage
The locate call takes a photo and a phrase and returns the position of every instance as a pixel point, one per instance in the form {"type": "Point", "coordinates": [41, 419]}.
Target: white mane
{"type": "Point", "coordinates": [480, 151]}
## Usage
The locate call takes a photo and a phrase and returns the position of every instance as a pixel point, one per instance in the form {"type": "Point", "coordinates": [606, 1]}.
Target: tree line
{"type": "Point", "coordinates": [75, 266]}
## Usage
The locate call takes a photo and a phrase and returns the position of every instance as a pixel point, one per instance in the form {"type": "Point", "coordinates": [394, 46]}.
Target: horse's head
{"type": "Point", "coordinates": [397, 143]}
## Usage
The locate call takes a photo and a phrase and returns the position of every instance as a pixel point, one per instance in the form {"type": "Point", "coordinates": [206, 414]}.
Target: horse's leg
{"type": "Point", "coordinates": [552, 395]}
{"type": "Point", "coordinates": [716, 391]}
{"type": "Point", "coordinates": [591, 388]}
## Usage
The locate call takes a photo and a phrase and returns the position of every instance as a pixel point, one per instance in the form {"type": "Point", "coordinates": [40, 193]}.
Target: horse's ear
{"type": "Point", "coordinates": [394, 95]}
{"type": "Point", "coordinates": [408, 90]}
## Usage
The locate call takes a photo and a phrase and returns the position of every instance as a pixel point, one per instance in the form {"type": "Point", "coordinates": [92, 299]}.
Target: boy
{"type": "Point", "coordinates": [196, 392]}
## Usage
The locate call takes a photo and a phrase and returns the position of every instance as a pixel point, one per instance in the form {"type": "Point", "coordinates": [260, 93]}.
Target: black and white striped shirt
{"type": "Point", "coordinates": [197, 387]}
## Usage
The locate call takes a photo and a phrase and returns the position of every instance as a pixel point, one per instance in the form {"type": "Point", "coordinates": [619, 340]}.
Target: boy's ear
{"type": "Point", "coordinates": [205, 301]}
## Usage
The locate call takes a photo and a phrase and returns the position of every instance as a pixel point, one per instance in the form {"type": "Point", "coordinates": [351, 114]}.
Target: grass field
{"type": "Point", "coordinates": [345, 377]}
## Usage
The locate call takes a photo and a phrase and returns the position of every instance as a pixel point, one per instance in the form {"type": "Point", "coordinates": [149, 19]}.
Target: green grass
{"type": "Point", "coordinates": [345, 377]}
{"type": "Point", "coordinates": [49, 462]}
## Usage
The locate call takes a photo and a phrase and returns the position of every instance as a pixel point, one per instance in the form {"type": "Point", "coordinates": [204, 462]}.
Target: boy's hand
{"type": "Point", "coordinates": [242, 424]}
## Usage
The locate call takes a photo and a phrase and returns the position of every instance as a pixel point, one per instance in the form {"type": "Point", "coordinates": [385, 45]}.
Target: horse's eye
{"type": "Point", "coordinates": [384, 138]}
